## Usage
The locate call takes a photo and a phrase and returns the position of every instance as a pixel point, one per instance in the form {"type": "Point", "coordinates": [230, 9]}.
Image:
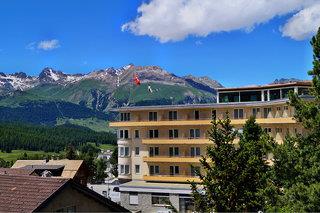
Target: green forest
{"type": "Point", "coordinates": [15, 136]}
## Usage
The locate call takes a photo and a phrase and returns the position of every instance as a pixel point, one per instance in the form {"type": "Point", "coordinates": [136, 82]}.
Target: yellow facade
{"type": "Point", "coordinates": [166, 142]}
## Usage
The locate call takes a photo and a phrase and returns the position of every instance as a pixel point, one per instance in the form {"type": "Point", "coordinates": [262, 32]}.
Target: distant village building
{"type": "Point", "coordinates": [29, 193]}
{"type": "Point", "coordinates": [73, 169]}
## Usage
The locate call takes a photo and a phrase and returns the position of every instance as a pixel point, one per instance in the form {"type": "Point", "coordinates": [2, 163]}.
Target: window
{"type": "Point", "coordinates": [121, 151]}
{"type": "Point", "coordinates": [194, 170]}
{"type": "Point", "coordinates": [153, 133]}
{"type": "Point", "coordinates": [195, 151]}
{"type": "Point", "coordinates": [121, 169]}
{"type": "Point", "coordinates": [153, 116]}
{"type": "Point", "coordinates": [123, 134]}
{"type": "Point", "coordinates": [250, 96]}
{"type": "Point", "coordinates": [194, 133]}
{"type": "Point", "coordinates": [303, 91]}
{"type": "Point", "coordinates": [153, 151]}
{"type": "Point", "coordinates": [154, 170]}
{"type": "Point", "coordinates": [124, 116]}
{"type": "Point", "coordinates": [126, 151]}
{"type": "Point", "coordinates": [274, 94]}
{"type": "Point", "coordinates": [267, 130]}
{"type": "Point", "coordinates": [126, 169]}
{"type": "Point", "coordinates": [160, 199]}
{"type": "Point", "coordinates": [173, 151]}
{"type": "Point", "coordinates": [136, 134]}
{"type": "Point", "coordinates": [278, 130]}
{"type": "Point", "coordinates": [214, 114]}
{"type": "Point", "coordinates": [285, 108]}
{"type": "Point", "coordinates": [278, 108]}
{"type": "Point", "coordinates": [133, 198]}
{"type": "Point", "coordinates": [137, 169]}
{"type": "Point", "coordinates": [238, 113]}
{"type": "Point", "coordinates": [266, 112]}
{"type": "Point", "coordinates": [137, 151]}
{"type": "Point", "coordinates": [174, 170]}
{"type": "Point", "coordinates": [173, 115]}
{"type": "Point", "coordinates": [255, 111]}
{"type": "Point", "coordinates": [173, 133]}
{"type": "Point", "coordinates": [229, 97]}
{"type": "Point", "coordinates": [196, 115]}
{"type": "Point", "coordinates": [285, 92]}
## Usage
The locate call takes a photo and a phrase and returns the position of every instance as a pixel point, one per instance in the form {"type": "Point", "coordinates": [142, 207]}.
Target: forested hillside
{"type": "Point", "coordinates": [49, 139]}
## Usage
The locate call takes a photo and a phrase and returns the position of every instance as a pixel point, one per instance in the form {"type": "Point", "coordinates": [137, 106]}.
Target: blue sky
{"type": "Point", "coordinates": [80, 36]}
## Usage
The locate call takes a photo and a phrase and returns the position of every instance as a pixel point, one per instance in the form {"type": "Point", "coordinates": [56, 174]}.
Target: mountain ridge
{"type": "Point", "coordinates": [98, 91]}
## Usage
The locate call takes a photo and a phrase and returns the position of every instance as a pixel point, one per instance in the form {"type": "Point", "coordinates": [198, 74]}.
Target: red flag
{"type": "Point", "coordinates": [136, 79]}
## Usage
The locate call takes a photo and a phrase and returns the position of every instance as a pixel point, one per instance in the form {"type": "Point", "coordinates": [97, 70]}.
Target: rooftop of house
{"type": "Point", "coordinates": [70, 169]}
{"type": "Point", "coordinates": [17, 171]}
{"type": "Point", "coordinates": [24, 193]}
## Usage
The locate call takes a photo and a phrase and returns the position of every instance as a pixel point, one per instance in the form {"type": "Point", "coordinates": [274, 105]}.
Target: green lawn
{"type": "Point", "coordinates": [106, 146]}
{"type": "Point", "coordinates": [13, 156]}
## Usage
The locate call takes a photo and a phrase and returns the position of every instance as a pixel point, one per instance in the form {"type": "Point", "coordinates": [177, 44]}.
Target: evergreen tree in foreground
{"type": "Point", "coordinates": [233, 176]}
{"type": "Point", "coordinates": [297, 160]}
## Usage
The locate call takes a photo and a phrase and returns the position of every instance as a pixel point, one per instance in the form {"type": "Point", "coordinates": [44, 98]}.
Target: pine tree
{"type": "Point", "coordinates": [71, 152]}
{"type": "Point", "coordinates": [233, 176]}
{"type": "Point", "coordinates": [254, 177]}
{"type": "Point", "coordinates": [308, 112]}
{"type": "Point", "coordinates": [297, 160]}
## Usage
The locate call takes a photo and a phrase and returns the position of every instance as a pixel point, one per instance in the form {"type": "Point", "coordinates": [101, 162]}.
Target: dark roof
{"type": "Point", "coordinates": [21, 193]}
{"type": "Point", "coordinates": [10, 171]}
{"type": "Point", "coordinates": [25, 193]}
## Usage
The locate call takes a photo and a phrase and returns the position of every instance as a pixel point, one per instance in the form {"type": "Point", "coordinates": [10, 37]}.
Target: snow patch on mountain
{"type": "Point", "coordinates": [114, 77]}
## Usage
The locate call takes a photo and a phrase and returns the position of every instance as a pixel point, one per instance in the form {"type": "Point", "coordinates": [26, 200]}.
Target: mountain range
{"type": "Point", "coordinates": [56, 97]}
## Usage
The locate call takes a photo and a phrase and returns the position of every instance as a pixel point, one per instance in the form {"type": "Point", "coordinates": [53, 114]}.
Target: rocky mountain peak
{"type": "Point", "coordinates": [20, 75]}
{"type": "Point", "coordinates": [49, 75]}
{"type": "Point", "coordinates": [285, 80]}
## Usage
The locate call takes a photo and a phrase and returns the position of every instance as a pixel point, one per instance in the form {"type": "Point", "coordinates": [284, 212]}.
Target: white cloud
{"type": "Point", "coordinates": [304, 24]}
{"type": "Point", "coordinates": [174, 20]}
{"type": "Point", "coordinates": [48, 44]}
{"type": "Point", "coordinates": [31, 46]}
{"type": "Point", "coordinates": [198, 43]}
{"type": "Point", "coordinates": [44, 45]}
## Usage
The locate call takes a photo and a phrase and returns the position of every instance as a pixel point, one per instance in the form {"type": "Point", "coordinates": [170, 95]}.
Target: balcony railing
{"type": "Point", "coordinates": [273, 114]}
{"type": "Point", "coordinates": [171, 178]}
{"type": "Point", "coordinates": [173, 159]}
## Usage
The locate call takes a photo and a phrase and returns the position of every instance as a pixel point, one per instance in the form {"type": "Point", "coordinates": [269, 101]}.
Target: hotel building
{"type": "Point", "coordinates": [160, 146]}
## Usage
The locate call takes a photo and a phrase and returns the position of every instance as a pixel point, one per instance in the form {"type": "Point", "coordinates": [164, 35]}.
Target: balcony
{"type": "Point", "coordinates": [177, 141]}
{"type": "Point", "coordinates": [170, 178]}
{"type": "Point", "coordinates": [173, 159]}
{"type": "Point", "coordinates": [164, 122]}
{"type": "Point", "coordinates": [200, 122]}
